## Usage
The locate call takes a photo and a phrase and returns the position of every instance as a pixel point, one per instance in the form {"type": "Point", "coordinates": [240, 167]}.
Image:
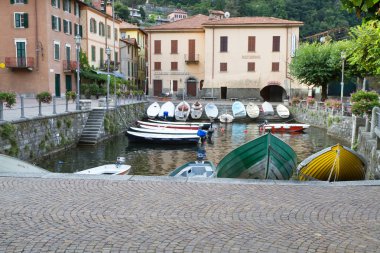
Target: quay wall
{"type": "Point", "coordinates": [32, 139]}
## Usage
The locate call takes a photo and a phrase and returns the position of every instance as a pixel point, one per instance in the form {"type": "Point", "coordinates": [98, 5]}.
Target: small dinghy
{"type": "Point", "coordinates": [226, 118]}
{"type": "Point", "coordinates": [196, 110]}
{"type": "Point", "coordinates": [267, 108]}
{"type": "Point", "coordinates": [211, 111]}
{"type": "Point", "coordinates": [119, 168]}
{"type": "Point", "coordinates": [253, 111]}
{"type": "Point", "coordinates": [195, 169]}
{"type": "Point", "coordinates": [238, 110]}
{"type": "Point", "coordinates": [162, 137]}
{"type": "Point", "coordinates": [182, 111]}
{"type": "Point", "coordinates": [284, 127]}
{"type": "Point", "coordinates": [282, 111]}
{"type": "Point", "coordinates": [153, 110]}
{"type": "Point", "coordinates": [167, 111]}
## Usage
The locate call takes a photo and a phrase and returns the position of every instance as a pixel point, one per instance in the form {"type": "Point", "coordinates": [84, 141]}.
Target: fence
{"type": "Point", "coordinates": [332, 106]}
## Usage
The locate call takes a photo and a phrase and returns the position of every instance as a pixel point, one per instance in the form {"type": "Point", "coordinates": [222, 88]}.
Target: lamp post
{"type": "Point", "coordinates": [343, 58]}
{"type": "Point", "coordinates": [77, 43]}
{"type": "Point", "coordinates": [108, 53]}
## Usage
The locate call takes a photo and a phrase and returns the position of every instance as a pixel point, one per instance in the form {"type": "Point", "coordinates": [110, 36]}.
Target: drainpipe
{"type": "Point", "coordinates": [38, 48]}
{"type": "Point", "coordinates": [212, 63]}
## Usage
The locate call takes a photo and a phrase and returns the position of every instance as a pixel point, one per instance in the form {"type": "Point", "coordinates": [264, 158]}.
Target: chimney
{"type": "Point", "coordinates": [97, 4]}
{"type": "Point", "coordinates": [109, 8]}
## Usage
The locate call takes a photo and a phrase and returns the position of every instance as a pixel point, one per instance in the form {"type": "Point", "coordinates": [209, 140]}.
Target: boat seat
{"type": "Point", "coordinates": [198, 170]}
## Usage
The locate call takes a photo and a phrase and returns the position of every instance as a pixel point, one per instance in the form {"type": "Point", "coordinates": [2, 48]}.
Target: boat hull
{"type": "Point", "coordinates": [282, 111]}
{"type": "Point", "coordinates": [226, 118]}
{"type": "Point", "coordinates": [266, 157]}
{"type": "Point", "coordinates": [167, 111]}
{"type": "Point", "coordinates": [204, 169]}
{"type": "Point", "coordinates": [178, 126]}
{"type": "Point", "coordinates": [238, 110]}
{"type": "Point", "coordinates": [153, 110]}
{"type": "Point", "coordinates": [211, 111]}
{"type": "Point", "coordinates": [335, 163]}
{"type": "Point", "coordinates": [290, 128]}
{"type": "Point", "coordinates": [162, 138]}
{"type": "Point", "coordinates": [182, 111]}
{"type": "Point", "coordinates": [267, 109]}
{"type": "Point", "coordinates": [107, 169]}
{"type": "Point", "coordinates": [253, 111]}
{"type": "Point", "coordinates": [196, 110]}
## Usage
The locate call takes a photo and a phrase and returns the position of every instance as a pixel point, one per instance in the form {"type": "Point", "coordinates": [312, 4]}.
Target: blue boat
{"type": "Point", "coordinates": [238, 110]}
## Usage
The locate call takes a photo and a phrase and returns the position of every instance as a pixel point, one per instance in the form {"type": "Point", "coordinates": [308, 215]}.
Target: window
{"type": "Point", "coordinates": [92, 25]}
{"type": "Point", "coordinates": [78, 30]}
{"type": "Point", "coordinates": [115, 34]}
{"type": "Point", "coordinates": [93, 53]}
{"type": "Point", "coordinates": [21, 20]}
{"type": "Point", "coordinates": [251, 43]}
{"type": "Point", "coordinates": [116, 59]}
{"type": "Point", "coordinates": [101, 55]}
{"type": "Point", "coordinates": [55, 3]}
{"type": "Point", "coordinates": [56, 23]}
{"type": "Point", "coordinates": [174, 65]}
{"type": "Point", "coordinates": [67, 27]}
{"type": "Point", "coordinates": [276, 44]}
{"type": "Point", "coordinates": [157, 66]}
{"type": "Point", "coordinates": [223, 66]}
{"type": "Point", "coordinates": [101, 29]}
{"type": "Point", "coordinates": [251, 67]}
{"type": "Point", "coordinates": [67, 5]}
{"type": "Point", "coordinates": [175, 85]}
{"type": "Point", "coordinates": [174, 46]}
{"type": "Point", "coordinates": [223, 44]}
{"type": "Point", "coordinates": [19, 1]}
{"type": "Point", "coordinates": [57, 47]}
{"type": "Point", "coordinates": [157, 46]}
{"type": "Point", "coordinates": [108, 31]}
{"type": "Point", "coordinates": [275, 66]}
{"type": "Point", "coordinates": [76, 9]}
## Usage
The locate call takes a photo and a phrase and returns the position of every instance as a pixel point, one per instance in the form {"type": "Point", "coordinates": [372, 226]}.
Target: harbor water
{"type": "Point", "coordinates": [159, 159]}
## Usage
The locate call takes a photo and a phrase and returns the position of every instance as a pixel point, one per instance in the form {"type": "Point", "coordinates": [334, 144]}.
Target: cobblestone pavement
{"type": "Point", "coordinates": [146, 214]}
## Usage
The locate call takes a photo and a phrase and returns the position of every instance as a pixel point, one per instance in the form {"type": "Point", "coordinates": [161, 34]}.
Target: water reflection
{"type": "Point", "coordinates": [153, 159]}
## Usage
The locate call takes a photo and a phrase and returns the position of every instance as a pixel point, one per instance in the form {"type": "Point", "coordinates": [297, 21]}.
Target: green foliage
{"type": "Point", "coordinates": [121, 10]}
{"type": "Point", "coordinates": [70, 95]}
{"type": "Point", "coordinates": [9, 98]}
{"type": "Point", "coordinates": [44, 97]}
{"type": "Point", "coordinates": [363, 8]}
{"type": "Point", "coordinates": [83, 59]}
{"type": "Point", "coordinates": [68, 122]}
{"type": "Point", "coordinates": [363, 102]}
{"type": "Point", "coordinates": [8, 132]}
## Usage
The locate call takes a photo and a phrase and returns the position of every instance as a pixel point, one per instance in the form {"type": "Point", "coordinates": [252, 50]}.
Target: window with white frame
{"type": "Point", "coordinates": [20, 20]}
{"type": "Point", "coordinates": [76, 9]}
{"type": "Point", "coordinates": [55, 3]}
{"type": "Point", "coordinates": [57, 48]}
{"type": "Point", "coordinates": [56, 23]}
{"type": "Point", "coordinates": [67, 27]}
{"type": "Point", "coordinates": [67, 5]}
{"type": "Point", "coordinates": [19, 1]}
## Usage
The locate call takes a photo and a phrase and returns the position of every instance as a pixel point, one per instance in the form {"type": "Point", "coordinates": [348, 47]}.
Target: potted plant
{"type": "Point", "coordinates": [9, 98]}
{"type": "Point", "coordinates": [44, 97]}
{"type": "Point", "coordinates": [71, 95]}
{"type": "Point", "coordinates": [296, 100]}
{"type": "Point", "coordinates": [310, 101]}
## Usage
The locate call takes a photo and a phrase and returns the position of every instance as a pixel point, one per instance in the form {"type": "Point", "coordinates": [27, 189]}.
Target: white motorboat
{"type": "Point", "coordinates": [195, 169]}
{"type": "Point", "coordinates": [282, 111]}
{"type": "Point", "coordinates": [167, 111]}
{"type": "Point", "coordinates": [153, 110]}
{"type": "Point", "coordinates": [162, 138]}
{"type": "Point", "coordinates": [163, 130]}
{"type": "Point", "coordinates": [108, 169]}
{"type": "Point", "coordinates": [238, 110]}
{"type": "Point", "coordinates": [179, 123]}
{"type": "Point", "coordinates": [182, 111]}
{"type": "Point", "coordinates": [196, 110]}
{"type": "Point", "coordinates": [267, 108]}
{"type": "Point", "coordinates": [10, 164]}
{"type": "Point", "coordinates": [226, 118]}
{"type": "Point", "coordinates": [253, 111]}
{"type": "Point", "coordinates": [211, 111]}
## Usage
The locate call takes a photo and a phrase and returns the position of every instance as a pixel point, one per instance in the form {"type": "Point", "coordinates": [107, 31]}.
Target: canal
{"type": "Point", "coordinates": [157, 159]}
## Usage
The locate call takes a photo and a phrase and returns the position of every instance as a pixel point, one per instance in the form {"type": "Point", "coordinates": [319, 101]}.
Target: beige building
{"type": "Point", "coordinates": [37, 45]}
{"type": "Point", "coordinates": [129, 59]}
{"type": "Point", "coordinates": [244, 57]}
{"type": "Point", "coordinates": [100, 31]}
{"type": "Point", "coordinates": [128, 32]}
{"type": "Point", "coordinates": [177, 15]}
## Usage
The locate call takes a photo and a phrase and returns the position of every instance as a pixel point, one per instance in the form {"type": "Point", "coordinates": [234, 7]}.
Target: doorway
{"type": "Point", "coordinates": [191, 86]}
{"type": "Point", "coordinates": [223, 92]}
{"type": "Point", "coordinates": [68, 83]}
{"type": "Point", "coordinates": [57, 85]}
{"type": "Point", "coordinates": [273, 93]}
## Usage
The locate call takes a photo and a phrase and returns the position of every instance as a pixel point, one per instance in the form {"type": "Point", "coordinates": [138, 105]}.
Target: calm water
{"type": "Point", "coordinates": [155, 159]}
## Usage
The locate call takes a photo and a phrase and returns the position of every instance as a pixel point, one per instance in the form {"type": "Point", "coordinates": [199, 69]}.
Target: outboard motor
{"type": "Point", "coordinates": [166, 114]}
{"type": "Point", "coordinates": [202, 133]}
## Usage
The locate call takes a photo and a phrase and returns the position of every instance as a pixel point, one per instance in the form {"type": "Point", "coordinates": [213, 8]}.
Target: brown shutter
{"type": "Point", "coordinates": [223, 66]}
{"type": "Point", "coordinates": [223, 44]}
{"type": "Point", "coordinates": [275, 66]}
{"type": "Point", "coordinates": [175, 85]}
{"type": "Point", "coordinates": [174, 46]}
{"type": "Point", "coordinates": [174, 65]}
{"type": "Point", "coordinates": [251, 66]}
{"type": "Point", "coordinates": [157, 66]}
{"type": "Point", "coordinates": [276, 44]}
{"type": "Point", "coordinates": [157, 46]}
{"type": "Point", "coordinates": [251, 43]}
{"type": "Point", "coordinates": [191, 50]}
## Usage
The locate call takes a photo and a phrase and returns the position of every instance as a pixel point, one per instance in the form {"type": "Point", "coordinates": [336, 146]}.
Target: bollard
{"type": "Point", "coordinates": [22, 107]}
{"type": "Point", "coordinates": [67, 105]}
{"type": "Point", "coordinates": [54, 106]}
{"type": "Point", "coordinates": [39, 109]}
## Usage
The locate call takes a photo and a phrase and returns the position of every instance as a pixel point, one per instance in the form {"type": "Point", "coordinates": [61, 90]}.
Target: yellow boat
{"type": "Point", "coordinates": [335, 163]}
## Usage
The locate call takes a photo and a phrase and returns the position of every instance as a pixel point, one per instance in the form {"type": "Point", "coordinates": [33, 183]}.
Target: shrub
{"type": "Point", "coordinates": [44, 97]}
{"type": "Point", "coordinates": [71, 95]}
{"type": "Point", "coordinates": [9, 98]}
{"type": "Point", "coordinates": [296, 100]}
{"type": "Point", "coordinates": [310, 101]}
{"type": "Point", "coordinates": [363, 102]}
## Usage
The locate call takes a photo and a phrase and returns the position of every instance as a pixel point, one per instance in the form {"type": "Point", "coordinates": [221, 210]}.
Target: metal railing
{"type": "Point", "coordinates": [191, 58]}
{"type": "Point", "coordinates": [19, 62]}
{"type": "Point", "coordinates": [69, 66]}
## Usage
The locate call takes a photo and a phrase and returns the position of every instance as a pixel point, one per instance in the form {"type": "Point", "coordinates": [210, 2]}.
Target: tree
{"type": "Point", "coordinates": [317, 64]}
{"type": "Point", "coordinates": [121, 10]}
{"type": "Point", "coordinates": [142, 13]}
{"type": "Point", "coordinates": [370, 9]}
{"type": "Point", "coordinates": [363, 102]}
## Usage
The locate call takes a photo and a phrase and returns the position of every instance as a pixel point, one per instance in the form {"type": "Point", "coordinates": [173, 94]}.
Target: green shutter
{"type": "Point", "coordinates": [53, 22]}
{"type": "Point", "coordinates": [59, 24]}
{"type": "Point", "coordinates": [71, 27]}
{"type": "Point", "coordinates": [59, 3]}
{"type": "Point", "coordinates": [69, 6]}
{"type": "Point", "coordinates": [80, 31]}
{"type": "Point", "coordinates": [25, 1]}
{"type": "Point", "coordinates": [26, 20]}
{"type": "Point", "coordinates": [12, 1]}
{"type": "Point", "coordinates": [65, 28]}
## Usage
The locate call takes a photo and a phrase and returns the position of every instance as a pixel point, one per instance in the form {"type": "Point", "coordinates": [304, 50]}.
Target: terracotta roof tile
{"type": "Point", "coordinates": [194, 22]}
{"type": "Point", "coordinates": [252, 21]}
{"type": "Point", "coordinates": [126, 25]}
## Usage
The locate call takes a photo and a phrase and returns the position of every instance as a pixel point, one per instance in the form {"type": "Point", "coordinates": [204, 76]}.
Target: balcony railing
{"type": "Point", "coordinates": [104, 65]}
{"type": "Point", "coordinates": [69, 66]}
{"type": "Point", "coordinates": [191, 58]}
{"type": "Point", "coordinates": [19, 62]}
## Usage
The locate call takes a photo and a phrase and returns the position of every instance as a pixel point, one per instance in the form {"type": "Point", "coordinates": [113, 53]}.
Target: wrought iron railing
{"type": "Point", "coordinates": [191, 58]}
{"type": "Point", "coordinates": [19, 62]}
{"type": "Point", "coordinates": [69, 66]}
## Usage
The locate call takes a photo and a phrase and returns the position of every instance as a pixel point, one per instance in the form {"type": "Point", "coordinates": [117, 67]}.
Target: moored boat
{"type": "Point", "coordinates": [153, 110]}
{"type": "Point", "coordinates": [284, 127]}
{"type": "Point", "coordinates": [211, 111]}
{"type": "Point", "coordinates": [226, 118]}
{"type": "Point", "coordinates": [9, 164]}
{"type": "Point", "coordinates": [167, 111]}
{"type": "Point", "coordinates": [195, 169]}
{"type": "Point", "coordinates": [162, 138]}
{"type": "Point", "coordinates": [165, 130]}
{"type": "Point", "coordinates": [335, 163]}
{"type": "Point", "coordinates": [181, 125]}
{"type": "Point", "coordinates": [238, 110]}
{"type": "Point", "coordinates": [196, 110]}
{"type": "Point", "coordinates": [266, 157]}
{"type": "Point", "coordinates": [253, 111]}
{"type": "Point", "coordinates": [282, 111]}
{"type": "Point", "coordinates": [182, 111]}
{"type": "Point", "coordinates": [267, 108]}
{"type": "Point", "coordinates": [119, 168]}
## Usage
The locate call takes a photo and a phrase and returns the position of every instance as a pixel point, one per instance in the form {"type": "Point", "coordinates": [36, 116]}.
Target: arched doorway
{"type": "Point", "coordinates": [273, 93]}
{"type": "Point", "coordinates": [191, 87]}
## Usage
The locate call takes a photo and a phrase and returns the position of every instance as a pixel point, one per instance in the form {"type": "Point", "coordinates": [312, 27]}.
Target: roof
{"type": "Point", "coordinates": [248, 21]}
{"type": "Point", "coordinates": [178, 11]}
{"type": "Point", "coordinates": [194, 22]}
{"type": "Point", "coordinates": [129, 26]}
{"type": "Point", "coordinates": [216, 12]}
{"type": "Point", "coordinates": [91, 8]}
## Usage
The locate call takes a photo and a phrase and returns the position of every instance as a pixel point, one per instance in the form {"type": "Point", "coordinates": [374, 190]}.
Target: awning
{"type": "Point", "coordinates": [114, 73]}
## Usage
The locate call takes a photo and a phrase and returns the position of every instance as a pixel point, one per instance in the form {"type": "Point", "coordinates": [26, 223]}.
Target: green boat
{"type": "Point", "coordinates": [266, 157]}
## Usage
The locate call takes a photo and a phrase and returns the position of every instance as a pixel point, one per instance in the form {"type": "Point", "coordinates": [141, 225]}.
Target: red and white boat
{"type": "Point", "coordinates": [284, 127]}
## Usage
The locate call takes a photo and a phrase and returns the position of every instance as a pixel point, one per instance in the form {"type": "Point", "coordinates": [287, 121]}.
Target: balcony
{"type": "Point", "coordinates": [69, 66]}
{"type": "Point", "coordinates": [104, 65]}
{"type": "Point", "coordinates": [19, 62]}
{"type": "Point", "coordinates": [192, 58]}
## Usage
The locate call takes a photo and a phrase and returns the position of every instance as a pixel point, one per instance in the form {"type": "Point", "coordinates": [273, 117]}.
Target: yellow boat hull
{"type": "Point", "coordinates": [335, 163]}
